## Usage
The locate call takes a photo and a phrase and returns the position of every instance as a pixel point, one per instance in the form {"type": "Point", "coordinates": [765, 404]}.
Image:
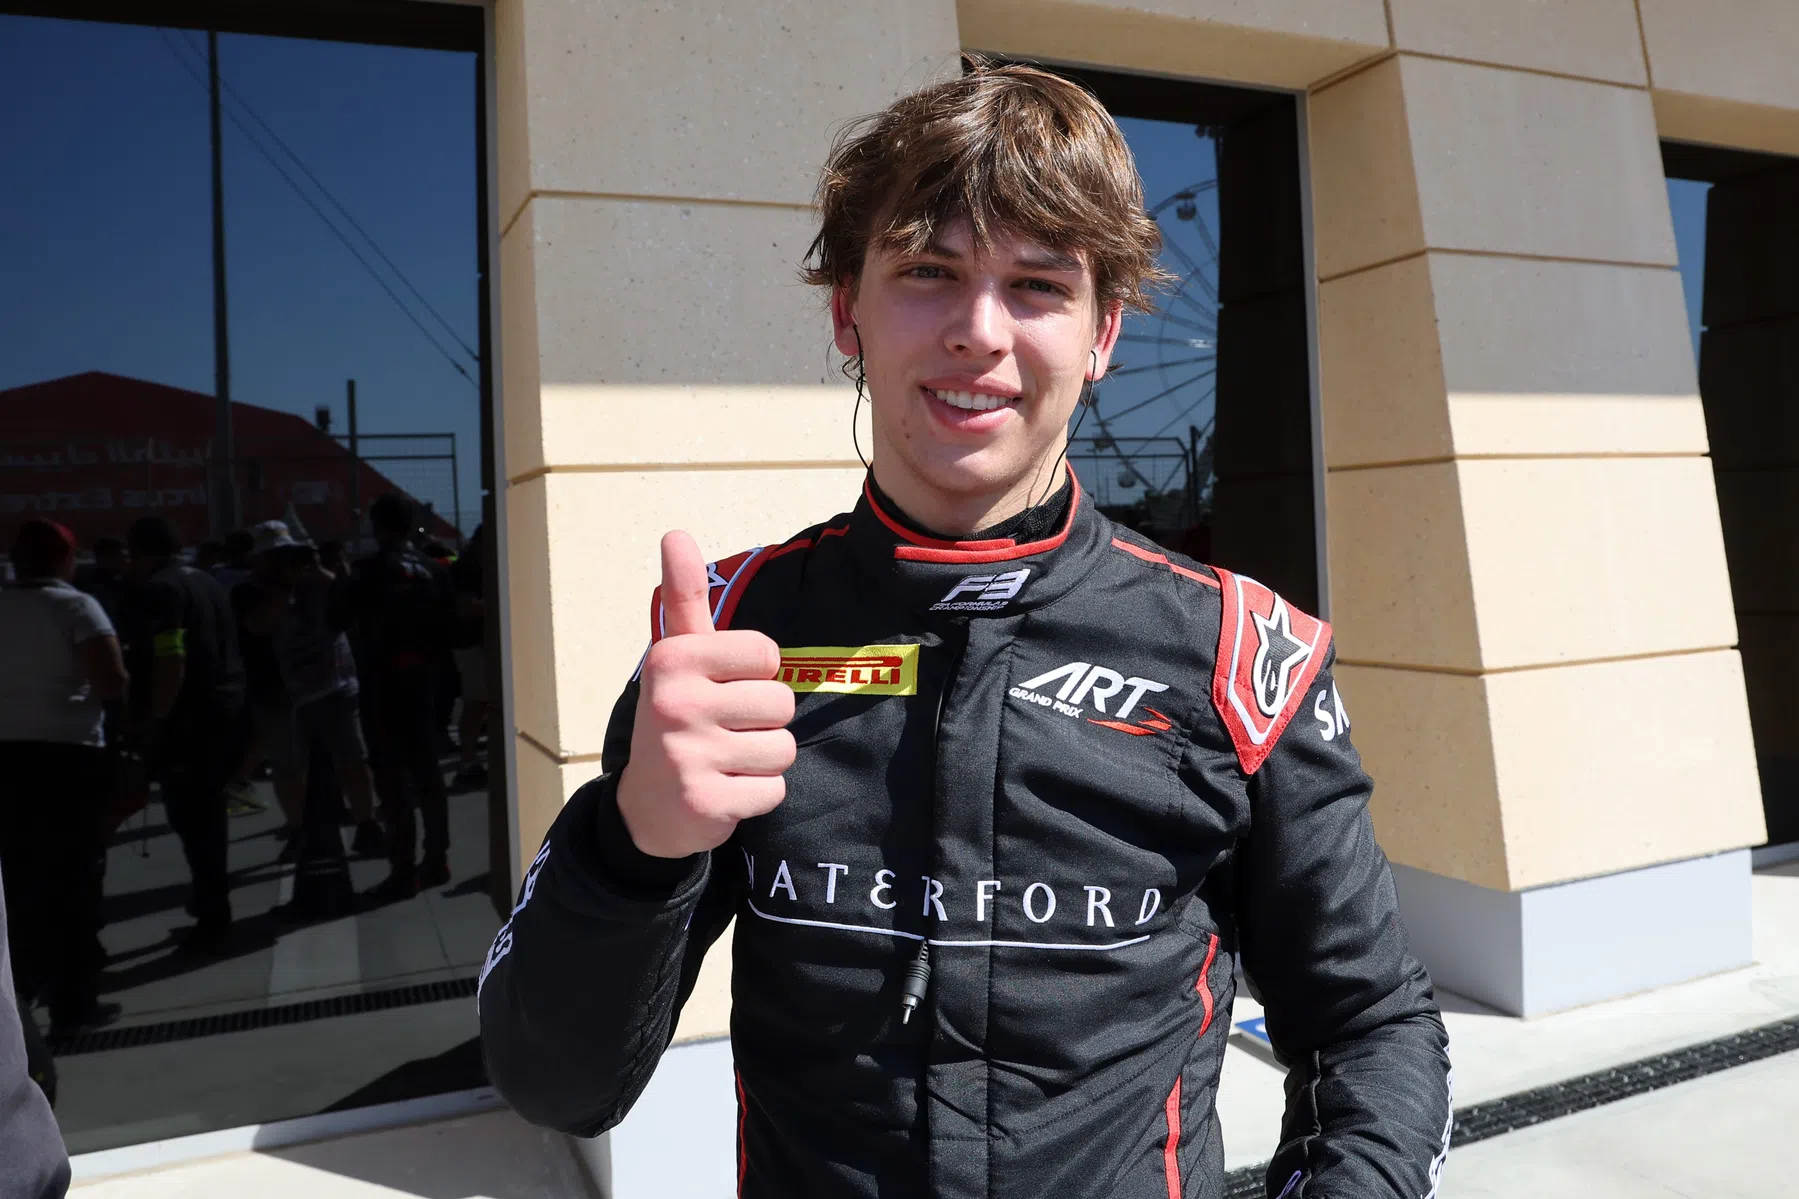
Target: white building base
{"type": "Point", "coordinates": [680, 1140]}
{"type": "Point", "coordinates": [1549, 948]}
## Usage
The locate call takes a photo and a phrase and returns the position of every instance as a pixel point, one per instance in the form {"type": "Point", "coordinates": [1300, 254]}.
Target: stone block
{"type": "Point", "coordinates": [1574, 559]}
{"type": "Point", "coordinates": [1517, 163]}
{"type": "Point", "coordinates": [1610, 766]}
{"type": "Point", "coordinates": [1271, 43]}
{"type": "Point", "coordinates": [1365, 189]}
{"type": "Point", "coordinates": [689, 99]}
{"type": "Point", "coordinates": [1401, 590]}
{"type": "Point", "coordinates": [1596, 39]}
{"type": "Point", "coordinates": [1425, 739]}
{"type": "Point", "coordinates": [1725, 49]}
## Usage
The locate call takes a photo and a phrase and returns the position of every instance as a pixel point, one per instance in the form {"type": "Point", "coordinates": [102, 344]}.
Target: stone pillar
{"type": "Point", "coordinates": [663, 367]}
{"type": "Point", "coordinates": [1749, 374]}
{"type": "Point", "coordinates": [1527, 575]}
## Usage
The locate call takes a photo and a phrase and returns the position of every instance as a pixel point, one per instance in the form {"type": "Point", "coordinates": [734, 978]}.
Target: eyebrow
{"type": "Point", "coordinates": [1039, 260]}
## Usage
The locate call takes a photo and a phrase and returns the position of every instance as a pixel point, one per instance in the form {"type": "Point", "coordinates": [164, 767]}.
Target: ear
{"type": "Point", "coordinates": [843, 319]}
{"type": "Point", "coordinates": [1111, 324]}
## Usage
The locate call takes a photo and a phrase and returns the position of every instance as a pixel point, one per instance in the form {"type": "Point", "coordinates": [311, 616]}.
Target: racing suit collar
{"type": "Point", "coordinates": [998, 576]}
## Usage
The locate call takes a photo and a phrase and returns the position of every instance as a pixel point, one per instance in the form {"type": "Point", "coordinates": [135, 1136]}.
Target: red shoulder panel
{"type": "Point", "coordinates": [1268, 655]}
{"type": "Point", "coordinates": [727, 577]}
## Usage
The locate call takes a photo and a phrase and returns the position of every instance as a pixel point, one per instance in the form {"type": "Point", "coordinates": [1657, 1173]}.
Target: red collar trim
{"type": "Point", "coordinates": [998, 549]}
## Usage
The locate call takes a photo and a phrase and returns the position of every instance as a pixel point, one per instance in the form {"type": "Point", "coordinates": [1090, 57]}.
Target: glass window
{"type": "Point", "coordinates": [255, 883]}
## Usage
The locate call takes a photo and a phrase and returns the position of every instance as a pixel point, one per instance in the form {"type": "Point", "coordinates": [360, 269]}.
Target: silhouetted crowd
{"type": "Point", "coordinates": [197, 674]}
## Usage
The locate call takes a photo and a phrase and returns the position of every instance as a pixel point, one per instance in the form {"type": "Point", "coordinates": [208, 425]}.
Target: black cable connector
{"type": "Point", "coordinates": [918, 978]}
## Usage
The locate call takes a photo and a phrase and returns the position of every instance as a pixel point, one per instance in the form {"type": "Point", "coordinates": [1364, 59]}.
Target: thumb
{"type": "Point", "coordinates": [686, 606]}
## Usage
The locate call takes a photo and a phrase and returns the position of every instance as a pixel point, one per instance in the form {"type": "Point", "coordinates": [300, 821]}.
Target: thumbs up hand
{"type": "Point", "coordinates": [710, 741]}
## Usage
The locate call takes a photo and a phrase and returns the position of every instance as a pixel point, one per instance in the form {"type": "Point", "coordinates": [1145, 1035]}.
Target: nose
{"type": "Point", "coordinates": [980, 326]}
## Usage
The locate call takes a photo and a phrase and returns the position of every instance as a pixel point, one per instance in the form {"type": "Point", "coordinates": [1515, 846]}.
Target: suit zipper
{"type": "Point", "coordinates": [917, 981]}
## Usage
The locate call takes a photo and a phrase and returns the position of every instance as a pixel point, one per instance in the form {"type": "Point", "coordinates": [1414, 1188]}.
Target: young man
{"type": "Point", "coordinates": [996, 790]}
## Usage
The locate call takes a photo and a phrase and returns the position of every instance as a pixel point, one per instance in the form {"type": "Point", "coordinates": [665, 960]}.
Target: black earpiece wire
{"type": "Point", "coordinates": [1086, 404]}
{"type": "Point", "coordinates": [860, 378]}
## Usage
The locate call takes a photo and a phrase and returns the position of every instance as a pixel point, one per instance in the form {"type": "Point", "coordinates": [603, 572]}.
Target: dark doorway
{"type": "Point", "coordinates": [1202, 437]}
{"type": "Point", "coordinates": [334, 353]}
{"type": "Point", "coordinates": [1736, 222]}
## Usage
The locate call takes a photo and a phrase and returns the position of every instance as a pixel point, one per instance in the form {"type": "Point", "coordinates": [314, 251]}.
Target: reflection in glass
{"type": "Point", "coordinates": [254, 884]}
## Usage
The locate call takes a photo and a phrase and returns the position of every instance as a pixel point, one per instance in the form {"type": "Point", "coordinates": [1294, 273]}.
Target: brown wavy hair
{"type": "Point", "coordinates": [1004, 147]}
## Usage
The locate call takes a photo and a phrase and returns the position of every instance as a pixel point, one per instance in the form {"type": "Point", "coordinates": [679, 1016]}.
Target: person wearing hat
{"type": "Point", "coordinates": [59, 664]}
{"type": "Point", "coordinates": [299, 610]}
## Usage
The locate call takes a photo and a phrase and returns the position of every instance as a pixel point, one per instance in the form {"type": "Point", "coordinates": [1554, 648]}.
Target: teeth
{"type": "Point", "coordinates": [970, 401]}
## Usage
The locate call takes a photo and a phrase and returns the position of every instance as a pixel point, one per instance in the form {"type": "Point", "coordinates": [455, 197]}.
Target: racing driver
{"type": "Point", "coordinates": [998, 792]}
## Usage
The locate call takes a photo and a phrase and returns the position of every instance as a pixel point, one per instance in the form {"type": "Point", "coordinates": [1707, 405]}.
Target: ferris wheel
{"type": "Point", "coordinates": [1167, 360]}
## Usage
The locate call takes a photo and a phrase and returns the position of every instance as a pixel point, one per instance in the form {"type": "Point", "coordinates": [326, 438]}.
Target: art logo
{"type": "Point", "coordinates": [1079, 684]}
{"type": "Point", "coordinates": [851, 670]}
{"type": "Point", "coordinates": [983, 593]}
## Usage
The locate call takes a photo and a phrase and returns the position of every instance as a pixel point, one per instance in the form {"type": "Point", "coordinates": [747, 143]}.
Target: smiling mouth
{"type": "Point", "coordinates": [971, 401]}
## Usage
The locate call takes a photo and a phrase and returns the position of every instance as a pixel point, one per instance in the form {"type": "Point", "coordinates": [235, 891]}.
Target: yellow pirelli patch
{"type": "Point", "coordinates": [851, 670]}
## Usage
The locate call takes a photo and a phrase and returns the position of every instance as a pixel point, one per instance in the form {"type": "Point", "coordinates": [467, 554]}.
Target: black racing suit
{"type": "Point", "coordinates": [1091, 774]}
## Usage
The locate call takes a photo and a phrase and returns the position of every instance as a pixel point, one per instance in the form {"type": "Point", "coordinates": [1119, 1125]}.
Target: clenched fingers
{"type": "Point", "coordinates": [752, 705]}
{"type": "Point", "coordinates": [730, 656]}
{"type": "Point", "coordinates": [769, 752]}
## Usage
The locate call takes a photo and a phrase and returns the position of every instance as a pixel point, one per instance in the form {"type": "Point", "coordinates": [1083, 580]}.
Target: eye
{"type": "Point", "coordinates": [1042, 287]}
{"type": "Point", "coordinates": [927, 271]}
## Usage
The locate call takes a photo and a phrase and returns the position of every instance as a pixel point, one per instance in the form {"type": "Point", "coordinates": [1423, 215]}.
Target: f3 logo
{"type": "Point", "coordinates": [985, 593]}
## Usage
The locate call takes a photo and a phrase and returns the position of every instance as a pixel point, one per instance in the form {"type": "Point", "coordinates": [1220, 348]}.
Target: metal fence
{"type": "Point", "coordinates": [1160, 486]}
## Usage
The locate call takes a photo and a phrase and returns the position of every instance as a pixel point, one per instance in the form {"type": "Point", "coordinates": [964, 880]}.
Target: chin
{"type": "Point", "coordinates": [974, 475]}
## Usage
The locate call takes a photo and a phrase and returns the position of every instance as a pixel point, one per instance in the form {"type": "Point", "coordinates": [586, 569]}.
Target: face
{"type": "Point", "coordinates": [975, 363]}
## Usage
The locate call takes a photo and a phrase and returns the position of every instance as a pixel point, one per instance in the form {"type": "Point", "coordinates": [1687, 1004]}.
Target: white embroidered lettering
{"type": "Point", "coordinates": [1152, 903]}
{"type": "Point", "coordinates": [1031, 912]}
{"type": "Point", "coordinates": [1070, 675]}
{"type": "Point", "coordinates": [1100, 685]}
{"type": "Point", "coordinates": [933, 896]}
{"type": "Point", "coordinates": [882, 884]}
{"type": "Point", "coordinates": [1137, 688]}
{"type": "Point", "coordinates": [783, 882]}
{"type": "Point", "coordinates": [832, 870]}
{"type": "Point", "coordinates": [982, 895]}
{"type": "Point", "coordinates": [1097, 899]}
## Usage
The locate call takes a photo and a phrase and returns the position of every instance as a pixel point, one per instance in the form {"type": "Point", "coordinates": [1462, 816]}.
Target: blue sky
{"type": "Point", "coordinates": [107, 227]}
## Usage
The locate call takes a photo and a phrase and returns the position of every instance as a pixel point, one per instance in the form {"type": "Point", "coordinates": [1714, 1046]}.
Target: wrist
{"type": "Point", "coordinates": [622, 857]}
{"type": "Point", "coordinates": [636, 822]}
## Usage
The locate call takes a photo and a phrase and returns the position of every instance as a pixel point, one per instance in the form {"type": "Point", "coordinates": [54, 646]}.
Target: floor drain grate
{"type": "Point", "coordinates": [138, 1035]}
{"type": "Point", "coordinates": [1526, 1108]}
